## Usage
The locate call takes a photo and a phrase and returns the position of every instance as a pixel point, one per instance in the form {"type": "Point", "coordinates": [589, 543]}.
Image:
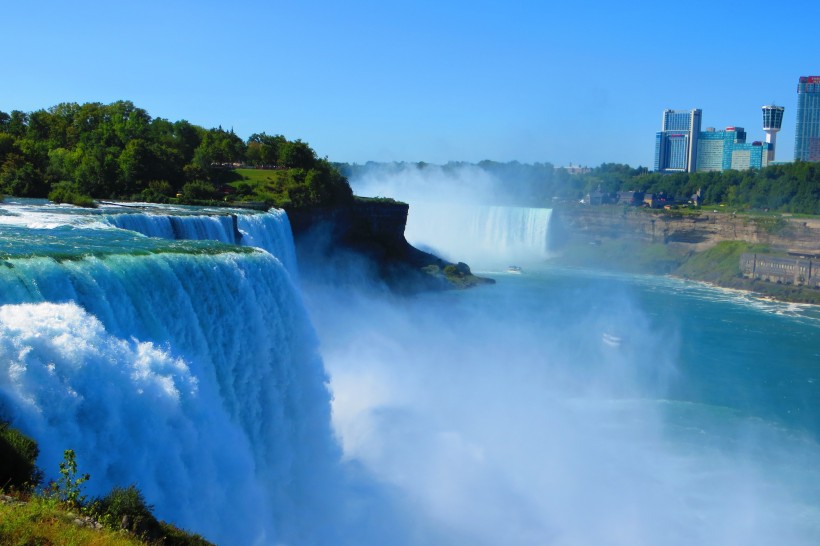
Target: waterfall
{"type": "Point", "coordinates": [269, 231]}
{"type": "Point", "coordinates": [189, 369]}
{"type": "Point", "coordinates": [480, 235]}
{"type": "Point", "coordinates": [198, 227]}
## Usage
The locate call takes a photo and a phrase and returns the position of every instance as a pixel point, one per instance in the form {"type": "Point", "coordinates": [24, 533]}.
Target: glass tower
{"type": "Point", "coordinates": [722, 150]}
{"type": "Point", "coordinates": [807, 130]}
{"type": "Point", "coordinates": [676, 145]}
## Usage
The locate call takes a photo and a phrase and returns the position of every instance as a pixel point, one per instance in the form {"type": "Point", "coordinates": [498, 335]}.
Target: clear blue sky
{"type": "Point", "coordinates": [581, 81]}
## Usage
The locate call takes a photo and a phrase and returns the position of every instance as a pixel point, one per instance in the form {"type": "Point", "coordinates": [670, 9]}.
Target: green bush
{"type": "Point", "coordinates": [69, 192]}
{"type": "Point", "coordinates": [198, 190]}
{"type": "Point", "coordinates": [158, 191]}
{"type": "Point", "coordinates": [125, 508]}
{"type": "Point", "coordinates": [18, 454]}
{"type": "Point", "coordinates": [173, 536]}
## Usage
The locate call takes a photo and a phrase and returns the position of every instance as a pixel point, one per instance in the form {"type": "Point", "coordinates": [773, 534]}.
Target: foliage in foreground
{"type": "Point", "coordinates": [18, 456]}
{"type": "Point", "coordinates": [59, 514]}
{"type": "Point", "coordinates": [42, 521]}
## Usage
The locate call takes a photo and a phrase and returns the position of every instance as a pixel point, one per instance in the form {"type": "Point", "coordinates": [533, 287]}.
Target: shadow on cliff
{"type": "Point", "coordinates": [363, 246]}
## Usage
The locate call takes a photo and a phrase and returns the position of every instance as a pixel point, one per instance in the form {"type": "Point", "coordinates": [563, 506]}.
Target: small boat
{"type": "Point", "coordinates": [513, 269]}
{"type": "Point", "coordinates": [611, 340]}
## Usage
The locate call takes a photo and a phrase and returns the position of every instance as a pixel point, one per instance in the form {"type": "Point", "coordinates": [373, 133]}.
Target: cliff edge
{"type": "Point", "coordinates": [366, 239]}
{"type": "Point", "coordinates": [773, 255]}
{"type": "Point", "coordinates": [703, 228]}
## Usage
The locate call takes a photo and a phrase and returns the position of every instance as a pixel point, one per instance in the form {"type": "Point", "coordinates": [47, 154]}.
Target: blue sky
{"type": "Point", "coordinates": [580, 82]}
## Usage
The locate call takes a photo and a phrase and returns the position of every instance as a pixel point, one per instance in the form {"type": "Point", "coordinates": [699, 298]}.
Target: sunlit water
{"type": "Point", "coordinates": [557, 406]}
{"type": "Point", "coordinates": [571, 407]}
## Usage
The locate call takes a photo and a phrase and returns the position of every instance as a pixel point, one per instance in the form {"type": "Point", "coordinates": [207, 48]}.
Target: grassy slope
{"type": "Point", "coordinates": [260, 177]}
{"type": "Point", "coordinates": [719, 264]}
{"type": "Point", "coordinates": [42, 521]}
{"type": "Point", "coordinates": [45, 523]}
{"type": "Point", "coordinates": [264, 184]}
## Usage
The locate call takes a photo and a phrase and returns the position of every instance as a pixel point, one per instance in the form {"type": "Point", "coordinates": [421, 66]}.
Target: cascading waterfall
{"type": "Point", "coordinates": [269, 231]}
{"type": "Point", "coordinates": [480, 235]}
{"type": "Point", "coordinates": [214, 228]}
{"type": "Point", "coordinates": [189, 368]}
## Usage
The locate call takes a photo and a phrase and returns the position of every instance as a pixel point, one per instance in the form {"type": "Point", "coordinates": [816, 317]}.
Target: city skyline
{"type": "Point", "coordinates": [427, 81]}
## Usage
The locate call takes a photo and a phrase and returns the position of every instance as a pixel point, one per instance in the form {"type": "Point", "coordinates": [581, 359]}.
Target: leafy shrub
{"type": "Point", "coordinates": [125, 508]}
{"type": "Point", "coordinates": [18, 454]}
{"type": "Point", "coordinates": [69, 192]}
{"type": "Point", "coordinates": [198, 190]}
{"type": "Point", "coordinates": [173, 536]}
{"type": "Point", "coordinates": [68, 488]}
{"type": "Point", "coordinates": [158, 191]}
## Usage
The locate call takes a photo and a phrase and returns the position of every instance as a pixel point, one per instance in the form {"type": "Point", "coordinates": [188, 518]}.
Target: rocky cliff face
{"type": "Point", "coordinates": [376, 228]}
{"type": "Point", "coordinates": [338, 237]}
{"type": "Point", "coordinates": [705, 229]}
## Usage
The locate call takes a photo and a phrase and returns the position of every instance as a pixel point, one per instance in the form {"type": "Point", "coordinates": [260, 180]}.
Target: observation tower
{"type": "Point", "coordinates": [772, 120]}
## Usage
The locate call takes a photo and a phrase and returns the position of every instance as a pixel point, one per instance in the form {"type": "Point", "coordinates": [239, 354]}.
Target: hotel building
{"type": "Point", "coordinates": [807, 130]}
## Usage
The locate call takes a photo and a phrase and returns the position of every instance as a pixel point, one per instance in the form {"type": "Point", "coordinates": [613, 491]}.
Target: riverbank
{"type": "Point", "coordinates": [704, 247]}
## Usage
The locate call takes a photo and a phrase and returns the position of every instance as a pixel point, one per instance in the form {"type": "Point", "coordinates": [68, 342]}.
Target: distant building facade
{"type": "Point", "coordinates": [577, 169]}
{"type": "Point", "coordinates": [676, 143]}
{"type": "Point", "coordinates": [807, 130]}
{"type": "Point", "coordinates": [728, 149]}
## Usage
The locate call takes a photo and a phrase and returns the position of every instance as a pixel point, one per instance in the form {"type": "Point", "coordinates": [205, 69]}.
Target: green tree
{"type": "Point", "coordinates": [297, 155]}
{"type": "Point", "coordinates": [4, 122]}
{"type": "Point", "coordinates": [18, 123]}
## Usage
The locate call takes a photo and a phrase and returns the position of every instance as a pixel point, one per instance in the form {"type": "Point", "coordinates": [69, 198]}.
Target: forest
{"type": "Point", "coordinates": [79, 152]}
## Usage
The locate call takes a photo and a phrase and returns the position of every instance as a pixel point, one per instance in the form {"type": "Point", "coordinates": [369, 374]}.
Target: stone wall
{"type": "Point", "coordinates": [786, 270]}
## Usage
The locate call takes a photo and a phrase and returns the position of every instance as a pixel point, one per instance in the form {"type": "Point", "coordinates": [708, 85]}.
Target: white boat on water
{"type": "Point", "coordinates": [611, 339]}
{"type": "Point", "coordinates": [513, 269]}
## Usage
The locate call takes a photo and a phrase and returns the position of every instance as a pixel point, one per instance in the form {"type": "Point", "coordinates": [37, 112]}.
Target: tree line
{"type": "Point", "coordinates": [790, 187]}
{"type": "Point", "coordinates": [118, 151]}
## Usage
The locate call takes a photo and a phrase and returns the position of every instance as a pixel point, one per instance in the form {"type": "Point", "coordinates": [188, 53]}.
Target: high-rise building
{"type": "Point", "coordinates": [728, 149]}
{"type": "Point", "coordinates": [676, 145]}
{"type": "Point", "coordinates": [807, 130]}
{"type": "Point", "coordinates": [715, 148]}
{"type": "Point", "coordinates": [772, 121]}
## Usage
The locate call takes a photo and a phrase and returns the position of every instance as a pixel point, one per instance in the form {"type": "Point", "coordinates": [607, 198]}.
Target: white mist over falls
{"type": "Point", "coordinates": [454, 213]}
{"type": "Point", "coordinates": [554, 407]}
